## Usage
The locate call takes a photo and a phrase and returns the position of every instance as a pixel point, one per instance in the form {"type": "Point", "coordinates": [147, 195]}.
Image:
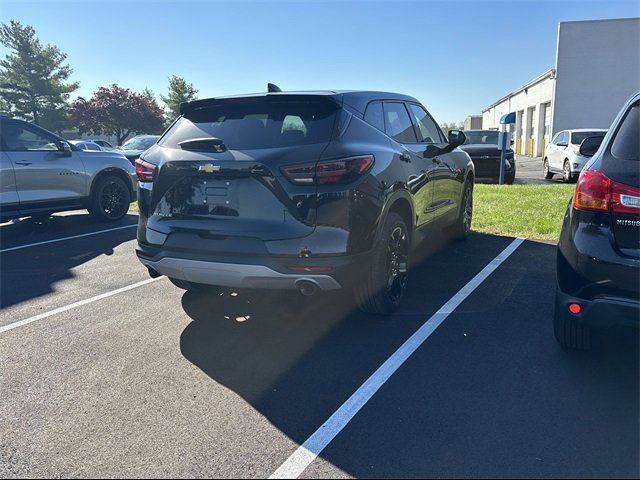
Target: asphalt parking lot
{"type": "Point", "coordinates": [151, 381]}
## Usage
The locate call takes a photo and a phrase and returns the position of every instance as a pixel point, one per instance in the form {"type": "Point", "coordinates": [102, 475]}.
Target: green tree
{"type": "Point", "coordinates": [34, 78]}
{"type": "Point", "coordinates": [179, 91]}
{"type": "Point", "coordinates": [117, 111]}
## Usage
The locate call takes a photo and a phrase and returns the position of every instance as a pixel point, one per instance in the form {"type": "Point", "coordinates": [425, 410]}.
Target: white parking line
{"type": "Point", "coordinates": [318, 441]}
{"type": "Point", "coordinates": [66, 238]}
{"type": "Point", "coordinates": [27, 321]}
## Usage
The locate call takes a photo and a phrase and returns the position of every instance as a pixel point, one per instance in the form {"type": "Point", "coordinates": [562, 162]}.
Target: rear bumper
{"type": "Point", "coordinates": [236, 275]}
{"type": "Point", "coordinates": [253, 270]}
{"type": "Point", "coordinates": [601, 312]}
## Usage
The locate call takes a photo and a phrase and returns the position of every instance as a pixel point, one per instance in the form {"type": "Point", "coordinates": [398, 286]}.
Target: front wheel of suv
{"type": "Point", "coordinates": [462, 227]}
{"type": "Point", "coordinates": [383, 287]}
{"type": "Point", "coordinates": [111, 199]}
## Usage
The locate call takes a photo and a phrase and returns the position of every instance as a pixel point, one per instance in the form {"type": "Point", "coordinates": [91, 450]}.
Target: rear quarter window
{"type": "Point", "coordinates": [374, 115]}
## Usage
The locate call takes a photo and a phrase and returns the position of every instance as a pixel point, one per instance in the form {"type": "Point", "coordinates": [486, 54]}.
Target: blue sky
{"type": "Point", "coordinates": [456, 57]}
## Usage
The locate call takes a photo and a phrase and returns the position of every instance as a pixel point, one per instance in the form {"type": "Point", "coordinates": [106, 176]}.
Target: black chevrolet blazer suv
{"type": "Point", "coordinates": [304, 191]}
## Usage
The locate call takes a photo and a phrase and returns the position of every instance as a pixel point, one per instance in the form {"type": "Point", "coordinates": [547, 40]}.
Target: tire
{"type": "Point", "coordinates": [548, 175]}
{"type": "Point", "coordinates": [509, 179]}
{"type": "Point", "coordinates": [381, 290]}
{"type": "Point", "coordinates": [567, 176]}
{"type": "Point", "coordinates": [462, 227]}
{"type": "Point", "coordinates": [110, 200]}
{"type": "Point", "coordinates": [570, 333]}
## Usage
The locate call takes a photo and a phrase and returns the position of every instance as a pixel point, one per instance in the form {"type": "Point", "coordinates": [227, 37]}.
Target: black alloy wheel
{"type": "Point", "coordinates": [396, 267]}
{"type": "Point", "coordinates": [111, 199]}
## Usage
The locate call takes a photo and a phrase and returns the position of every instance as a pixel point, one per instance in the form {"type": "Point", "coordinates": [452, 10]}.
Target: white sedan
{"type": "Point", "coordinates": [562, 155]}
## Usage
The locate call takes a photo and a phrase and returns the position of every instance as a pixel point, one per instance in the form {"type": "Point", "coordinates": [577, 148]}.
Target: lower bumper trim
{"type": "Point", "coordinates": [235, 275]}
{"type": "Point", "coordinates": [603, 312]}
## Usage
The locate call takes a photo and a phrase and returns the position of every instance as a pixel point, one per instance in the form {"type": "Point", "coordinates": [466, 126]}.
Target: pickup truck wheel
{"type": "Point", "coordinates": [111, 199]}
{"type": "Point", "coordinates": [383, 287]}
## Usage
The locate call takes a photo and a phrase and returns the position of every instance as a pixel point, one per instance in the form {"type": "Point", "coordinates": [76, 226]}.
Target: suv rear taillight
{"type": "Point", "coordinates": [146, 171]}
{"type": "Point", "coordinates": [328, 172]}
{"type": "Point", "coordinates": [595, 191]}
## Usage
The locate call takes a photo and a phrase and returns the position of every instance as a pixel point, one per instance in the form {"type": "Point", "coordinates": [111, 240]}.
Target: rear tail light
{"type": "Point", "coordinates": [328, 172]}
{"type": "Point", "coordinates": [595, 191]}
{"type": "Point", "coordinates": [146, 171]}
{"type": "Point", "coordinates": [592, 191]}
{"type": "Point", "coordinates": [625, 199]}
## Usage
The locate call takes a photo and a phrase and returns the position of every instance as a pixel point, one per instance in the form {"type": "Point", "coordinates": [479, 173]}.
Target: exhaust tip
{"type": "Point", "coordinates": [306, 287]}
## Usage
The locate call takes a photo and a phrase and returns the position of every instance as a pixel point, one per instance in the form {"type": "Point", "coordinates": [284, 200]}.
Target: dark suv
{"type": "Point", "coordinates": [599, 248]}
{"type": "Point", "coordinates": [300, 190]}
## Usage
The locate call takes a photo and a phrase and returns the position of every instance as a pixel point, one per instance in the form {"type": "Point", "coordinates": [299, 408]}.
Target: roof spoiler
{"type": "Point", "coordinates": [187, 107]}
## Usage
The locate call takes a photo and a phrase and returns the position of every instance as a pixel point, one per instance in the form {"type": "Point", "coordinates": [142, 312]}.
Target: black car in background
{"type": "Point", "coordinates": [599, 248]}
{"type": "Point", "coordinates": [302, 191]}
{"type": "Point", "coordinates": [482, 147]}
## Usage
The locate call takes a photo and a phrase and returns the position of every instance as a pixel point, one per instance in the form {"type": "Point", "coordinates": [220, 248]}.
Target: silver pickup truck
{"type": "Point", "coordinates": [40, 173]}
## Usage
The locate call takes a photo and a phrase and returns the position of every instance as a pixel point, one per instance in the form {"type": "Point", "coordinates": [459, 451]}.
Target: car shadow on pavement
{"type": "Point", "coordinates": [31, 272]}
{"type": "Point", "coordinates": [296, 360]}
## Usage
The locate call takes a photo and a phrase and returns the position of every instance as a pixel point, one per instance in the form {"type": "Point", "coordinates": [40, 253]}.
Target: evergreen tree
{"type": "Point", "coordinates": [179, 91]}
{"type": "Point", "coordinates": [34, 78]}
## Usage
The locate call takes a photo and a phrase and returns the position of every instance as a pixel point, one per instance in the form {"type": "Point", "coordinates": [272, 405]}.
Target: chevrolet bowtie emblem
{"type": "Point", "coordinates": [209, 168]}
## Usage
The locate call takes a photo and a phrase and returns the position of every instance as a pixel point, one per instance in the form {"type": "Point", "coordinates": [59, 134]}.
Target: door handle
{"type": "Point", "coordinates": [413, 179]}
{"type": "Point", "coordinates": [23, 162]}
{"type": "Point", "coordinates": [405, 158]}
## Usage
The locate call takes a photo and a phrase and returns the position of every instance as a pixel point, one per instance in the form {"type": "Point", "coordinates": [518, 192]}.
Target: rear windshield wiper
{"type": "Point", "coordinates": [208, 144]}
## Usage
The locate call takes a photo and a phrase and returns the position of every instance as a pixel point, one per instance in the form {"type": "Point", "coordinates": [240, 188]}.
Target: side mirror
{"type": "Point", "coordinates": [65, 149]}
{"type": "Point", "coordinates": [456, 138]}
{"type": "Point", "coordinates": [590, 146]}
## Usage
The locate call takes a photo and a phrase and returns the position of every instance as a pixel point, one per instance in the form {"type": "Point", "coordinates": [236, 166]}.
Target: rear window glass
{"type": "Point", "coordinates": [262, 123]}
{"type": "Point", "coordinates": [578, 137]}
{"type": "Point", "coordinates": [139, 143]}
{"type": "Point", "coordinates": [626, 144]}
{"type": "Point", "coordinates": [482, 138]}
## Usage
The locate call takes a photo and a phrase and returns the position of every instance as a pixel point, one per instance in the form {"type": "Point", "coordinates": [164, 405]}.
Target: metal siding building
{"type": "Point", "coordinates": [597, 70]}
{"type": "Point", "coordinates": [473, 122]}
